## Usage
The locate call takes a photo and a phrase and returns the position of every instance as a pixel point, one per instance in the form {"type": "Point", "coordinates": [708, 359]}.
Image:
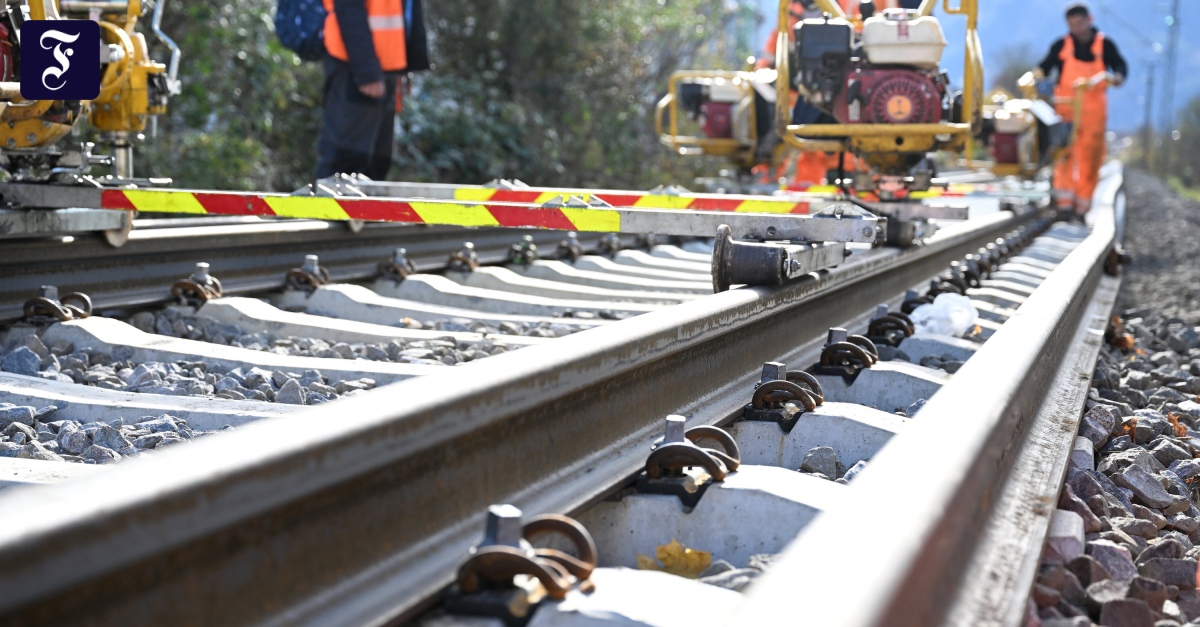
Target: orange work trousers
{"type": "Point", "coordinates": [1078, 170]}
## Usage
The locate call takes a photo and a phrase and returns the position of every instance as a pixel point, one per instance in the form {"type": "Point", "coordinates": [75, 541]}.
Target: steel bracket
{"type": "Point", "coordinates": [786, 416]}
{"type": "Point", "coordinates": [768, 263]}
{"type": "Point", "coordinates": [689, 488]}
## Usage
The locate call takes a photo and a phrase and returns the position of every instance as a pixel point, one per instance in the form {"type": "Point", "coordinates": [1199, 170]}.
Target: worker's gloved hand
{"type": "Point", "coordinates": [1117, 80]}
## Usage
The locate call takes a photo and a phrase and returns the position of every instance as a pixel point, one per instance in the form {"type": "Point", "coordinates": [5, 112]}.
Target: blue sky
{"type": "Point", "coordinates": [1135, 25]}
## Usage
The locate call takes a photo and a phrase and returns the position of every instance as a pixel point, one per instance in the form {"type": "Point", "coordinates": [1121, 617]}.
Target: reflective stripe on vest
{"type": "Point", "coordinates": [1095, 100]}
{"type": "Point", "coordinates": [385, 18]}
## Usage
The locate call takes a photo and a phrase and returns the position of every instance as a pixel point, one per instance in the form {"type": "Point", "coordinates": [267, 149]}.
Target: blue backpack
{"type": "Point", "coordinates": [300, 25]}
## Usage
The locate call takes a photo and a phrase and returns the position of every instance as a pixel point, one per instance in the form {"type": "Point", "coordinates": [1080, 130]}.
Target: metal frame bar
{"type": "Point", "coordinates": [792, 202]}
{"type": "Point", "coordinates": [669, 104]}
{"type": "Point", "coordinates": [556, 216]}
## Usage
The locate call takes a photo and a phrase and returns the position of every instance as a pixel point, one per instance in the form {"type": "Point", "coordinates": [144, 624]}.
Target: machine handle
{"type": "Point", "coordinates": [173, 86]}
{"type": "Point", "coordinates": [666, 101]}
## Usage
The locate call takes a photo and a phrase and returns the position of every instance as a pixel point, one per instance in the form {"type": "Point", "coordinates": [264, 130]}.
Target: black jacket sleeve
{"type": "Point", "coordinates": [356, 33]}
{"type": "Point", "coordinates": [416, 39]}
{"type": "Point", "coordinates": [1052, 61]}
{"type": "Point", "coordinates": [1113, 59]}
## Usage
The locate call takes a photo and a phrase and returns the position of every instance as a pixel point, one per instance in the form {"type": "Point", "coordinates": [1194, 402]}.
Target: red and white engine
{"type": "Point", "coordinates": [888, 74]}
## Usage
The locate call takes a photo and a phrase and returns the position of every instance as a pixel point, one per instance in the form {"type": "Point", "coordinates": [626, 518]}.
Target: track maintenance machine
{"type": "Point", "coordinates": [43, 143]}
{"type": "Point", "coordinates": [877, 77]}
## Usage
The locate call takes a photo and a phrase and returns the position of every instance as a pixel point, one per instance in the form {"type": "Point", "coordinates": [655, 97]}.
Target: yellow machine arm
{"type": "Point", "coordinates": [133, 88]}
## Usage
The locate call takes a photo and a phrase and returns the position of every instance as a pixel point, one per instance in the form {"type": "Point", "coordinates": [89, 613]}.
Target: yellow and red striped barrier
{"type": "Point", "coordinates": [585, 219]}
{"type": "Point", "coordinates": [575, 216]}
{"type": "Point", "coordinates": [636, 200]}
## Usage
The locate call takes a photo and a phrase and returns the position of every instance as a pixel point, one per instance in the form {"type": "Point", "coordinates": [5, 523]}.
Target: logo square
{"type": "Point", "coordinates": [60, 60]}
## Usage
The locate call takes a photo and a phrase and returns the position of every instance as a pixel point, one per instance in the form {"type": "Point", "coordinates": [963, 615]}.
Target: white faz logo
{"type": "Point", "coordinates": [59, 55]}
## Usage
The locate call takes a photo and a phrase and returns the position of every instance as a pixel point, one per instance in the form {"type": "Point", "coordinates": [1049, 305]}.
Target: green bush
{"type": "Point", "coordinates": [550, 92]}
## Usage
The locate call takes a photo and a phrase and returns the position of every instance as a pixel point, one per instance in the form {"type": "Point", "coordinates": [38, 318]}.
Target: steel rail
{"type": "Point", "coordinates": [247, 258]}
{"type": "Point", "coordinates": [358, 513]}
{"type": "Point", "coordinates": [989, 453]}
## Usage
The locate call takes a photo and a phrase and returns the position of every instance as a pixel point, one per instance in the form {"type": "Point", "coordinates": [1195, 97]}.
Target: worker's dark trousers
{"type": "Point", "coordinates": [357, 131]}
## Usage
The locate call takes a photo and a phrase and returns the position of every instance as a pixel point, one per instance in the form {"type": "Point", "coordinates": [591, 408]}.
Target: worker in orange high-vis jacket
{"type": "Point", "coordinates": [1082, 58]}
{"type": "Point", "coordinates": [371, 44]}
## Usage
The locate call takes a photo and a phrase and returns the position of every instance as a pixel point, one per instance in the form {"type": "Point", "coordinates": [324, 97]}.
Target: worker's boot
{"type": "Point", "coordinates": [1082, 207]}
{"type": "Point", "coordinates": [1064, 205]}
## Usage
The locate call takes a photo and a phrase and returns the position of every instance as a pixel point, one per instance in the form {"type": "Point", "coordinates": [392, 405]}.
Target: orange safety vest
{"type": "Point", "coordinates": [1095, 100]}
{"type": "Point", "coordinates": [386, 18]}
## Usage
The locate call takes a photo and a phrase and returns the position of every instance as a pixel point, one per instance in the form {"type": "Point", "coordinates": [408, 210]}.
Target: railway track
{"type": "Point", "coordinates": [362, 510]}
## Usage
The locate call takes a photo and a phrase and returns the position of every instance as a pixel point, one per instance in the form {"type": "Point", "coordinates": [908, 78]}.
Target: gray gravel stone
{"type": "Point", "coordinates": [1180, 573]}
{"type": "Point", "coordinates": [1167, 451]}
{"type": "Point", "coordinates": [1087, 570]}
{"type": "Point", "coordinates": [17, 427]}
{"type": "Point", "coordinates": [101, 455]}
{"type": "Point", "coordinates": [34, 343]}
{"type": "Point", "coordinates": [1106, 591]}
{"type": "Point", "coordinates": [1139, 380]}
{"type": "Point", "coordinates": [1145, 513]}
{"type": "Point", "coordinates": [1114, 558]}
{"type": "Point", "coordinates": [1168, 548]}
{"type": "Point", "coordinates": [820, 459]}
{"type": "Point", "coordinates": [1135, 527]}
{"type": "Point", "coordinates": [1067, 500]}
{"type": "Point", "coordinates": [1145, 487]}
{"type": "Point", "coordinates": [109, 437]}
{"type": "Point", "coordinates": [257, 377]}
{"type": "Point", "coordinates": [21, 361]}
{"type": "Point", "coordinates": [1120, 443]}
{"type": "Point", "coordinates": [16, 413]}
{"type": "Point", "coordinates": [1126, 613]}
{"type": "Point", "coordinates": [291, 393]}
{"type": "Point", "coordinates": [1122, 460]}
{"type": "Point", "coordinates": [1183, 523]}
{"type": "Point", "coordinates": [73, 440]}
{"type": "Point", "coordinates": [1088, 483]}
{"type": "Point", "coordinates": [36, 450]}
{"type": "Point", "coordinates": [162, 423]}
{"type": "Point", "coordinates": [310, 376]}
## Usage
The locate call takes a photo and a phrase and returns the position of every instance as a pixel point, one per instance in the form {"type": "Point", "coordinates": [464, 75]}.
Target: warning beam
{"type": "Point", "coordinates": [566, 217]}
{"type": "Point", "coordinates": [668, 200]}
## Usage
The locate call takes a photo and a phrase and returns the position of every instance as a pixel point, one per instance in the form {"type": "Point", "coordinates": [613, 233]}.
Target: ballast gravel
{"type": "Point", "coordinates": [32, 433]}
{"type": "Point", "coordinates": [87, 366]}
{"type": "Point", "coordinates": [1163, 235]}
{"type": "Point", "coordinates": [446, 351]}
{"type": "Point", "coordinates": [1124, 543]}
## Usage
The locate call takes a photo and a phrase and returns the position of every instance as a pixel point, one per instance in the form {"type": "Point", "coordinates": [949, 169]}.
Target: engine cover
{"type": "Point", "coordinates": [889, 96]}
{"type": "Point", "coordinates": [6, 56]}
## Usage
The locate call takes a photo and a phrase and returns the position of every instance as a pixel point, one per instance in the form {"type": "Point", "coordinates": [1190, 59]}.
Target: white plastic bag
{"type": "Point", "coordinates": [949, 314]}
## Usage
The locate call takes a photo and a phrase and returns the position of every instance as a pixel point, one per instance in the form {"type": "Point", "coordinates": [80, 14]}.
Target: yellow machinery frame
{"type": "Point", "coordinates": [121, 110]}
{"type": "Point", "coordinates": [731, 148]}
{"type": "Point", "coordinates": [884, 140]}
